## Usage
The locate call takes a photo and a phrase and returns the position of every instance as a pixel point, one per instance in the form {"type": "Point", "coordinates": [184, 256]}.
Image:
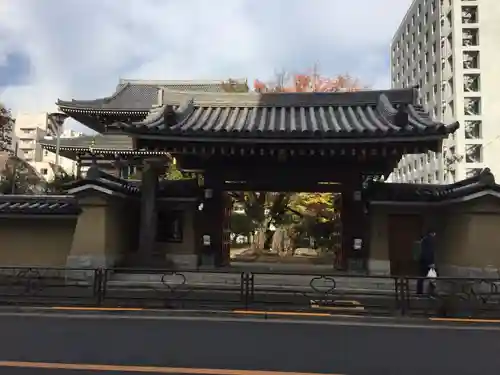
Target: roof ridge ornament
{"type": "Point", "coordinates": [170, 115]}
{"type": "Point", "coordinates": [398, 116]}
{"type": "Point", "coordinates": [486, 177]}
{"type": "Point", "coordinates": [401, 117]}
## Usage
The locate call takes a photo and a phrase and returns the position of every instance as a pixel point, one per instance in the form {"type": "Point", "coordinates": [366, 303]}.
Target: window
{"type": "Point", "coordinates": [472, 129]}
{"type": "Point", "coordinates": [472, 172]}
{"type": "Point", "coordinates": [471, 82]}
{"type": "Point", "coordinates": [470, 37]}
{"type": "Point", "coordinates": [469, 14]}
{"type": "Point", "coordinates": [434, 69]}
{"type": "Point", "coordinates": [44, 171]}
{"type": "Point", "coordinates": [169, 226]}
{"type": "Point", "coordinates": [470, 59]}
{"type": "Point", "coordinates": [45, 153]}
{"type": "Point", "coordinates": [473, 153]}
{"type": "Point", "coordinates": [472, 106]}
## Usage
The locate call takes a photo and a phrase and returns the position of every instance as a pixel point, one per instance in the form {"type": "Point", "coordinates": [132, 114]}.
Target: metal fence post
{"type": "Point", "coordinates": [247, 288]}
{"type": "Point", "coordinates": [99, 285]}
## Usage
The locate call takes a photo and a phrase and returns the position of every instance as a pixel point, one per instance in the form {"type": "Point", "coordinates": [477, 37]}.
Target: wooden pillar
{"type": "Point", "coordinates": [148, 222]}
{"type": "Point", "coordinates": [78, 167]}
{"type": "Point", "coordinates": [354, 246]}
{"type": "Point", "coordinates": [212, 220]}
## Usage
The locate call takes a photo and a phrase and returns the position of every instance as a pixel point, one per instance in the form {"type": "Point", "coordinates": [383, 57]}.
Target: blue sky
{"type": "Point", "coordinates": [80, 48]}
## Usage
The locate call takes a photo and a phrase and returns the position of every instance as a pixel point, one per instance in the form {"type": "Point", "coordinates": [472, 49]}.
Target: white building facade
{"type": "Point", "coordinates": [29, 128]}
{"type": "Point", "coordinates": [450, 50]}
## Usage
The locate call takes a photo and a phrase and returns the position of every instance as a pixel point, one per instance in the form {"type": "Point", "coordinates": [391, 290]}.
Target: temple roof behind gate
{"type": "Point", "coordinates": [141, 95]}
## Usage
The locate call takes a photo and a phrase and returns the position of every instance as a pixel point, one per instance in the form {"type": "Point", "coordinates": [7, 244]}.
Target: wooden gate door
{"type": "Point", "coordinates": [226, 229]}
{"type": "Point", "coordinates": [403, 231]}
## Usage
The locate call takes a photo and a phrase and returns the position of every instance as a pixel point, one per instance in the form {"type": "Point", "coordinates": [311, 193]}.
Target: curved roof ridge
{"type": "Point", "coordinates": [184, 82]}
{"type": "Point", "coordinates": [105, 99]}
{"type": "Point", "coordinates": [362, 97]}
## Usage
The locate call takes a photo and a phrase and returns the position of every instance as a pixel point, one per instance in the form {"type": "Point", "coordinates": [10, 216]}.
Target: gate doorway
{"type": "Point", "coordinates": [286, 228]}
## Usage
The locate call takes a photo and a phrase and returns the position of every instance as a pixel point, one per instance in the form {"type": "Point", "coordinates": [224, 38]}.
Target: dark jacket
{"type": "Point", "coordinates": [427, 250]}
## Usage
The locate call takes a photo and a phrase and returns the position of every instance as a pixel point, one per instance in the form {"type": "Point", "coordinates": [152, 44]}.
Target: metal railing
{"type": "Point", "coordinates": [227, 290]}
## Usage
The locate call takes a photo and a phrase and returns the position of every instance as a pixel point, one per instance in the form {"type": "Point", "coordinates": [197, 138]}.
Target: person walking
{"type": "Point", "coordinates": [425, 259]}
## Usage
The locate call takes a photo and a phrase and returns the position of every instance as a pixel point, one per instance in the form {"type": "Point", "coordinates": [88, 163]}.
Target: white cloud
{"type": "Point", "coordinates": [80, 48]}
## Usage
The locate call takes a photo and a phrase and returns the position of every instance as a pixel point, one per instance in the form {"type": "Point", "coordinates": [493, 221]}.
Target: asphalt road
{"type": "Point", "coordinates": [350, 347]}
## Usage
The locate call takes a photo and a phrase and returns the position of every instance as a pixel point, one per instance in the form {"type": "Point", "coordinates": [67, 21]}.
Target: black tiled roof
{"type": "Point", "coordinates": [120, 142]}
{"type": "Point", "coordinates": [372, 114]}
{"type": "Point", "coordinates": [401, 192]}
{"type": "Point", "coordinates": [38, 205]}
{"type": "Point", "coordinates": [167, 188]}
{"type": "Point", "coordinates": [99, 178]}
{"type": "Point", "coordinates": [141, 95]}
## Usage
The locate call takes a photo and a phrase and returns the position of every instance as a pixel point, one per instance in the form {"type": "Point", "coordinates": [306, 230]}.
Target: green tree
{"type": "Point", "coordinates": [58, 183]}
{"type": "Point", "coordinates": [19, 177]}
{"type": "Point", "coordinates": [241, 224]}
{"type": "Point", "coordinates": [6, 125]}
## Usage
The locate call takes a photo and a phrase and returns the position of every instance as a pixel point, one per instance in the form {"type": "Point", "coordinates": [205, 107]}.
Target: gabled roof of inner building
{"type": "Point", "coordinates": [326, 117]}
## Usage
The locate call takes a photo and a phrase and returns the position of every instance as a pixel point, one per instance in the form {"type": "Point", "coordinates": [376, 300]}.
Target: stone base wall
{"type": "Point", "coordinates": [379, 267]}
{"type": "Point", "coordinates": [473, 272]}
{"type": "Point", "coordinates": [90, 261]}
{"type": "Point", "coordinates": [184, 261]}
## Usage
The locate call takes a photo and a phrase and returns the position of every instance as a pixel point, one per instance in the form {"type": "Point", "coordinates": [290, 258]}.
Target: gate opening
{"type": "Point", "coordinates": [285, 227]}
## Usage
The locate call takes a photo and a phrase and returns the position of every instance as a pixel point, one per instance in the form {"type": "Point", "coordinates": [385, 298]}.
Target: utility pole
{"type": "Point", "coordinates": [56, 120]}
{"type": "Point", "coordinates": [14, 169]}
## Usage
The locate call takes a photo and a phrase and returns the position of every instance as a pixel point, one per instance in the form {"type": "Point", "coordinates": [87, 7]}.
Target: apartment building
{"type": "Point", "coordinates": [29, 128]}
{"type": "Point", "coordinates": [449, 49]}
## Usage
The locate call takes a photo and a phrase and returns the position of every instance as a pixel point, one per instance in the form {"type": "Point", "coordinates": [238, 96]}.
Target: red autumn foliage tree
{"type": "Point", "coordinates": [308, 82]}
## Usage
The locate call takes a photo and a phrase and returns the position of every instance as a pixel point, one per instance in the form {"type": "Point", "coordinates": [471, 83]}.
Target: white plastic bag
{"type": "Point", "coordinates": [432, 274]}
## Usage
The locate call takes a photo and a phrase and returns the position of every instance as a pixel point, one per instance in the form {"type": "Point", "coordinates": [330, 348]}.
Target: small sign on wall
{"type": "Point", "coordinates": [206, 240]}
{"type": "Point", "coordinates": [357, 244]}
